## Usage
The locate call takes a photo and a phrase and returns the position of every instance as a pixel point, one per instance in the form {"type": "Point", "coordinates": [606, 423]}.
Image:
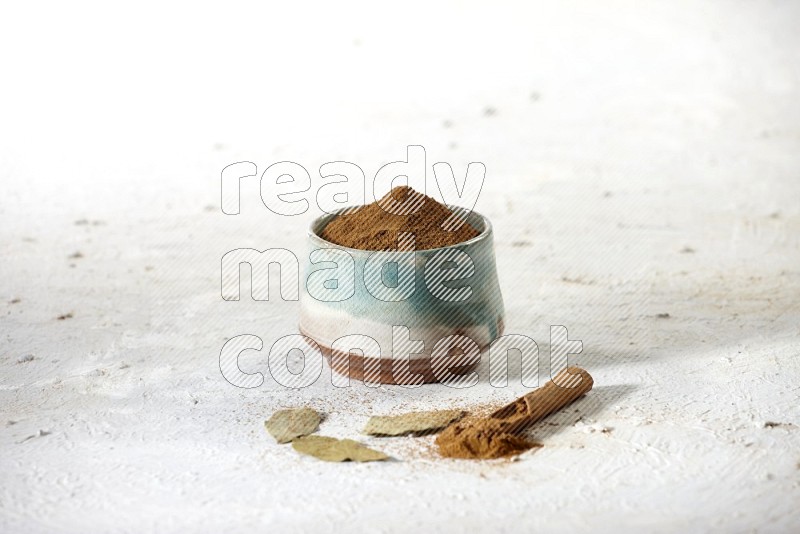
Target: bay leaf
{"type": "Point", "coordinates": [336, 450]}
{"type": "Point", "coordinates": [414, 423]}
{"type": "Point", "coordinates": [287, 425]}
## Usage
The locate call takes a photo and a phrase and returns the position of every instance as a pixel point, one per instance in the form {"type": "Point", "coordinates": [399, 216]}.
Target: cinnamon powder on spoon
{"type": "Point", "coordinates": [372, 227]}
{"type": "Point", "coordinates": [502, 433]}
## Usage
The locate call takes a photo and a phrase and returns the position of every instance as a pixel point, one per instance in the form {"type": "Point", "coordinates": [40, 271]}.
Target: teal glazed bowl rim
{"type": "Point", "coordinates": [320, 223]}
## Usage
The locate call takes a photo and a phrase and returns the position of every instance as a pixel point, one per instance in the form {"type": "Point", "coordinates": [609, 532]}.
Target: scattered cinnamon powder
{"type": "Point", "coordinates": [372, 227]}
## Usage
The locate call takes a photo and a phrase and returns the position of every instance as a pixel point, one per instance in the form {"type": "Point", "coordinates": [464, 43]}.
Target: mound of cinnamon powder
{"type": "Point", "coordinates": [371, 227]}
{"type": "Point", "coordinates": [483, 439]}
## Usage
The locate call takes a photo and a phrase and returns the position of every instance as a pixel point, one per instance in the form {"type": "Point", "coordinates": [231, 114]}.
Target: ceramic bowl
{"type": "Point", "coordinates": [368, 310]}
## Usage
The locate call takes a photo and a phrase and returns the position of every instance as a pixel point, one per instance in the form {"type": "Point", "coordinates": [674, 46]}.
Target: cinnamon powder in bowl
{"type": "Point", "coordinates": [372, 227]}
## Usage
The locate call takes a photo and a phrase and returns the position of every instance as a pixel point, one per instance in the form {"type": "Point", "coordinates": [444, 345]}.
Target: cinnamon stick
{"type": "Point", "coordinates": [567, 386]}
{"type": "Point", "coordinates": [499, 435]}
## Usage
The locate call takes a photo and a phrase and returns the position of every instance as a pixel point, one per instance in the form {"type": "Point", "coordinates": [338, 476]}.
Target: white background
{"type": "Point", "coordinates": [642, 159]}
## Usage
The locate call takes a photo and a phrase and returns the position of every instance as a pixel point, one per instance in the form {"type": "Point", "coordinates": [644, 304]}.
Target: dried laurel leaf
{"type": "Point", "coordinates": [414, 423]}
{"type": "Point", "coordinates": [287, 425]}
{"type": "Point", "coordinates": [336, 450]}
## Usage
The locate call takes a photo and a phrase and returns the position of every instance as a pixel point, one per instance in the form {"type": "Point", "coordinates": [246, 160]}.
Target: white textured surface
{"type": "Point", "coordinates": [622, 136]}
